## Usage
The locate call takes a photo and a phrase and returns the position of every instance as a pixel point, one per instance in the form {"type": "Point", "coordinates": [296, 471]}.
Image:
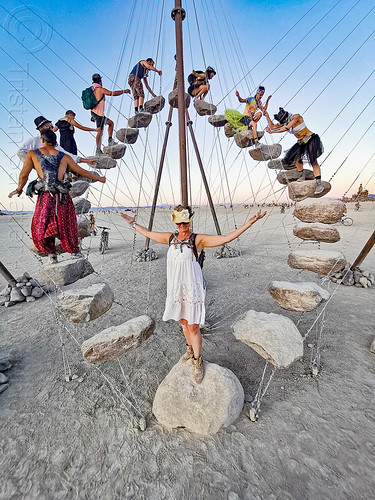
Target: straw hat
{"type": "Point", "coordinates": [183, 216]}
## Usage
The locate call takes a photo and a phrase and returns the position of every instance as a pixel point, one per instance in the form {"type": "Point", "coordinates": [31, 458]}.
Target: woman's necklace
{"type": "Point", "coordinates": [181, 242]}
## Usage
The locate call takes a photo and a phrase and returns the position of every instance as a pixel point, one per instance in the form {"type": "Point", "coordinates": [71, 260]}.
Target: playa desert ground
{"type": "Point", "coordinates": [314, 439]}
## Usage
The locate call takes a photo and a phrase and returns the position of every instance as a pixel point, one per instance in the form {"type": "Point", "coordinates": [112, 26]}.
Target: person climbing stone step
{"type": "Point", "coordinates": [66, 126]}
{"type": "Point", "coordinates": [137, 74]}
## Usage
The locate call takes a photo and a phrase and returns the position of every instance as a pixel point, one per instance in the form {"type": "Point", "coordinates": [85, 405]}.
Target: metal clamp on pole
{"type": "Point", "coordinates": [176, 10]}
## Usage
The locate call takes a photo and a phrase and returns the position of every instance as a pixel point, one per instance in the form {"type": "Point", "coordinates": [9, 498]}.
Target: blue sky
{"type": "Point", "coordinates": [237, 39]}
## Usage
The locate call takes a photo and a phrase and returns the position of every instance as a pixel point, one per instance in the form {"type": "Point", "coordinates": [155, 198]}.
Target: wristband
{"type": "Point", "coordinates": [134, 224]}
{"type": "Point", "coordinates": [19, 190]}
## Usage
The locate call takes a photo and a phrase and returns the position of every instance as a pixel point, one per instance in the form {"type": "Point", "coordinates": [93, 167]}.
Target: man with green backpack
{"type": "Point", "coordinates": [93, 98]}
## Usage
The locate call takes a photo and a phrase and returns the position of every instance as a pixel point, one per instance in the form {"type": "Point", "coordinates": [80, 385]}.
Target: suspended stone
{"type": "Point", "coordinates": [203, 408]}
{"type": "Point", "coordinates": [204, 108]}
{"type": "Point", "coordinates": [116, 340]}
{"type": "Point", "coordinates": [319, 210]}
{"type": "Point", "coordinates": [81, 206]}
{"type": "Point", "coordinates": [127, 135]}
{"type": "Point", "coordinates": [225, 252]}
{"type": "Point", "coordinates": [317, 232]}
{"type": "Point", "coordinates": [287, 176]}
{"type": "Point", "coordinates": [272, 336]}
{"type": "Point", "coordinates": [83, 226]}
{"type": "Point", "coordinates": [297, 296]}
{"type": "Point", "coordinates": [173, 99]}
{"type": "Point", "coordinates": [78, 188]}
{"type": "Point", "coordinates": [217, 120]}
{"type": "Point", "coordinates": [116, 152]}
{"type": "Point", "coordinates": [141, 119]}
{"type": "Point", "coordinates": [266, 152]}
{"type": "Point", "coordinates": [154, 105]}
{"type": "Point", "coordinates": [245, 139]}
{"type": "Point", "coordinates": [299, 191]}
{"type": "Point", "coordinates": [84, 305]}
{"type": "Point", "coordinates": [103, 162]}
{"type": "Point", "coordinates": [280, 164]}
{"type": "Point", "coordinates": [66, 271]}
{"type": "Point", "coordinates": [321, 262]}
{"type": "Point", "coordinates": [229, 130]}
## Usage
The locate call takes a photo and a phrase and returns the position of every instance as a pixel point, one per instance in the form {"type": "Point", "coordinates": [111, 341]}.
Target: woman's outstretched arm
{"type": "Point", "coordinates": [153, 235]}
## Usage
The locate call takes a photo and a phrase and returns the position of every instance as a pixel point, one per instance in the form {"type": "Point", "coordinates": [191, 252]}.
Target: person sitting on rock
{"type": "Point", "coordinates": [137, 74]}
{"type": "Point", "coordinates": [198, 83]}
{"type": "Point", "coordinates": [35, 143]}
{"type": "Point", "coordinates": [97, 113]}
{"type": "Point", "coordinates": [185, 287]}
{"type": "Point", "coordinates": [308, 144]}
{"type": "Point", "coordinates": [54, 215]}
{"type": "Point", "coordinates": [66, 126]}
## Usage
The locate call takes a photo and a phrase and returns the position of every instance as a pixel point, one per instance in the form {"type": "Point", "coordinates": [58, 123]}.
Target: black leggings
{"type": "Point", "coordinates": [311, 150]}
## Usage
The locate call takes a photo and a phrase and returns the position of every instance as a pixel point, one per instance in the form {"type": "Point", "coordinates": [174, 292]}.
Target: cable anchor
{"type": "Point", "coordinates": [176, 11]}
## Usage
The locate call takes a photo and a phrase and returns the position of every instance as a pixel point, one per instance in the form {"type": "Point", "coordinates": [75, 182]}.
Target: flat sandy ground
{"type": "Point", "coordinates": [315, 437]}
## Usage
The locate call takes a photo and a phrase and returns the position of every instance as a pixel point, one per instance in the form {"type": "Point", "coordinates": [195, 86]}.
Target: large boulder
{"type": "Point", "coordinates": [317, 261]}
{"type": "Point", "coordinates": [217, 120]}
{"type": "Point", "coordinates": [127, 135]}
{"type": "Point", "coordinates": [287, 176]}
{"type": "Point", "coordinates": [301, 190]}
{"type": "Point", "coordinates": [116, 151]}
{"type": "Point", "coordinates": [319, 210]}
{"type": "Point", "coordinates": [66, 271]}
{"type": "Point", "coordinates": [84, 305]}
{"type": "Point", "coordinates": [154, 105]}
{"type": "Point", "coordinates": [245, 139]}
{"type": "Point", "coordinates": [103, 162]}
{"type": "Point", "coordinates": [141, 119]}
{"type": "Point", "coordinates": [81, 206]}
{"type": "Point", "coordinates": [297, 296]}
{"type": "Point", "coordinates": [273, 336]}
{"type": "Point", "coordinates": [316, 232]}
{"type": "Point", "coordinates": [83, 226]}
{"type": "Point", "coordinates": [203, 408]}
{"type": "Point", "coordinates": [173, 99]}
{"type": "Point", "coordinates": [117, 340]}
{"type": "Point", "coordinates": [230, 130]}
{"type": "Point", "coordinates": [204, 108]}
{"type": "Point", "coordinates": [78, 188]}
{"type": "Point", "coordinates": [266, 152]}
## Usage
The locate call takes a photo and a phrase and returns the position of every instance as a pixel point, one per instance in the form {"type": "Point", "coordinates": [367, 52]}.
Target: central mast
{"type": "Point", "coordinates": [178, 15]}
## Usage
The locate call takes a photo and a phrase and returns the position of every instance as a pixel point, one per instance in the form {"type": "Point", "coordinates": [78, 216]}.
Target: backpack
{"type": "Point", "coordinates": [191, 242]}
{"type": "Point", "coordinates": [89, 100]}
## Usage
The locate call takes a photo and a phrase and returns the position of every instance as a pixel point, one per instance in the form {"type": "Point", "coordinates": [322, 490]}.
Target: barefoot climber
{"type": "Point", "coordinates": [308, 144]}
{"type": "Point", "coordinates": [185, 288]}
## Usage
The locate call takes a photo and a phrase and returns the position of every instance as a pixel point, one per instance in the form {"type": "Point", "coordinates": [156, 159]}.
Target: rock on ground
{"type": "Point", "coordinates": [203, 408]}
{"type": "Point", "coordinates": [316, 232]}
{"type": "Point", "coordinates": [78, 188]}
{"type": "Point", "coordinates": [266, 152]}
{"type": "Point", "coordinates": [297, 296]}
{"type": "Point", "coordinates": [217, 120]}
{"type": "Point", "coordinates": [103, 162]}
{"type": "Point", "coordinates": [273, 336]}
{"type": "Point", "coordinates": [83, 305]}
{"type": "Point", "coordinates": [319, 210]}
{"type": "Point", "coordinates": [287, 176]}
{"type": "Point", "coordinates": [117, 340]}
{"type": "Point", "coordinates": [372, 346]}
{"type": "Point", "coordinates": [116, 151]}
{"type": "Point", "coordinates": [299, 191]}
{"type": "Point", "coordinates": [204, 108]}
{"type": "Point", "coordinates": [66, 271]}
{"type": "Point", "coordinates": [317, 261]}
{"type": "Point", "coordinates": [245, 139]}
{"type": "Point", "coordinates": [81, 206]}
{"type": "Point", "coordinates": [127, 135]}
{"type": "Point", "coordinates": [173, 99]}
{"type": "Point", "coordinates": [154, 105]}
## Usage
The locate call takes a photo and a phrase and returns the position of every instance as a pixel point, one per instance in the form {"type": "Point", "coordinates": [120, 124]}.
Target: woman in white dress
{"type": "Point", "coordinates": [185, 288]}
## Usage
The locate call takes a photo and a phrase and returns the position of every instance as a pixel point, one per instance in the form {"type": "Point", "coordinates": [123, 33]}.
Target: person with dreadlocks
{"type": "Point", "coordinates": [308, 144]}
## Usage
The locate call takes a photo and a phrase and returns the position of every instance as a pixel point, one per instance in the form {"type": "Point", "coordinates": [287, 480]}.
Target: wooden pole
{"type": "Point", "coordinates": [6, 274]}
{"type": "Point", "coordinates": [364, 252]}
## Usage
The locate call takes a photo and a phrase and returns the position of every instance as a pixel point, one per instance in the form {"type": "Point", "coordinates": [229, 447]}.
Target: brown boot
{"type": "Point", "coordinates": [188, 354]}
{"type": "Point", "coordinates": [197, 372]}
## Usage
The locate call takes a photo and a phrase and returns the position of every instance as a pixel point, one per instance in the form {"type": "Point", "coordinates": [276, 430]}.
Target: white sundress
{"type": "Point", "coordinates": [185, 289]}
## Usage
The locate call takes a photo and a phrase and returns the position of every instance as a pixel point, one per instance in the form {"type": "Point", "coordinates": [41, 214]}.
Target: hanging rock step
{"type": "Point", "coordinates": [78, 188]}
{"type": "Point", "coordinates": [280, 164]}
{"type": "Point", "coordinates": [127, 135]}
{"type": "Point", "coordinates": [81, 205]}
{"type": "Point", "coordinates": [84, 305]}
{"type": "Point", "coordinates": [173, 99]}
{"type": "Point", "coordinates": [154, 105]}
{"type": "Point", "coordinates": [116, 340]}
{"type": "Point", "coordinates": [321, 262]}
{"type": "Point", "coordinates": [273, 336]}
{"type": "Point", "coordinates": [141, 119]}
{"type": "Point", "coordinates": [66, 271]}
{"type": "Point", "coordinates": [266, 152]}
{"type": "Point", "coordinates": [217, 120]}
{"type": "Point", "coordinates": [316, 232]}
{"type": "Point", "coordinates": [229, 130]}
{"type": "Point", "coordinates": [203, 408]}
{"type": "Point", "coordinates": [287, 176]}
{"type": "Point", "coordinates": [83, 226]}
{"type": "Point", "coordinates": [116, 152]}
{"type": "Point", "coordinates": [319, 210]}
{"type": "Point", "coordinates": [299, 191]}
{"type": "Point", "coordinates": [305, 296]}
{"type": "Point", "coordinates": [103, 162]}
{"type": "Point", "coordinates": [245, 139]}
{"type": "Point", "coordinates": [204, 108]}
